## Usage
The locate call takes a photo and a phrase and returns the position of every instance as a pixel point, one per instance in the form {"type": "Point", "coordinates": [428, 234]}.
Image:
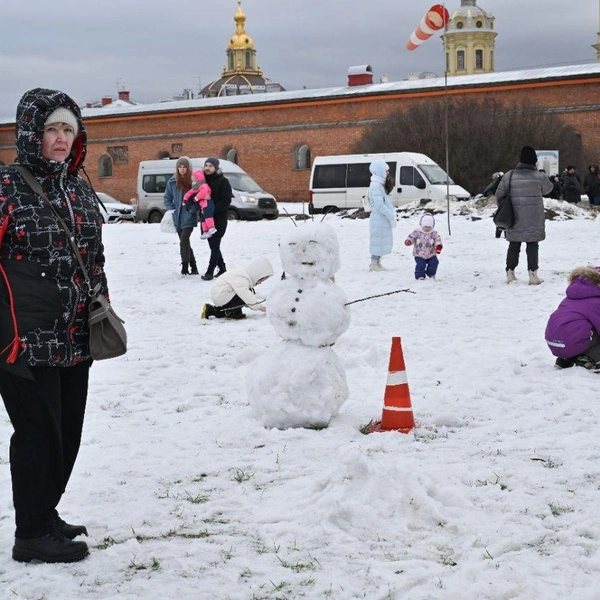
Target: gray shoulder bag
{"type": "Point", "coordinates": [108, 338]}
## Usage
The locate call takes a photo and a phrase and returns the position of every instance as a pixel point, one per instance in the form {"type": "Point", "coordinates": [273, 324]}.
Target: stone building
{"type": "Point", "coordinates": [469, 40]}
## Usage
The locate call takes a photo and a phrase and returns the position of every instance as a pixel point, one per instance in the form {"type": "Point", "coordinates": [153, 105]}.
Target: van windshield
{"type": "Point", "coordinates": [435, 174]}
{"type": "Point", "coordinates": [242, 182]}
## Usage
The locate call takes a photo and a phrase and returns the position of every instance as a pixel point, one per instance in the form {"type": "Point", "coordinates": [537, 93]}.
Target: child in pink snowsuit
{"type": "Point", "coordinates": [200, 193]}
{"type": "Point", "coordinates": [427, 244]}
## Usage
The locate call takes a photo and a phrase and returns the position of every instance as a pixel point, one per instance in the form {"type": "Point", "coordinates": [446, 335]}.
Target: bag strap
{"type": "Point", "coordinates": [37, 188]}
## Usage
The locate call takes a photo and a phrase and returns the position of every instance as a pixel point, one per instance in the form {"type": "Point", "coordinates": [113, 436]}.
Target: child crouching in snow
{"type": "Point", "coordinates": [198, 198]}
{"type": "Point", "coordinates": [235, 288]}
{"type": "Point", "coordinates": [427, 244]}
{"type": "Point", "coordinates": [573, 330]}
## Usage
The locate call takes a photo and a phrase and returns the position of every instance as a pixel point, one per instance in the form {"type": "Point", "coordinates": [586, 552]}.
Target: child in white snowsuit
{"type": "Point", "coordinates": [200, 194]}
{"type": "Point", "coordinates": [235, 288]}
{"type": "Point", "coordinates": [427, 244]}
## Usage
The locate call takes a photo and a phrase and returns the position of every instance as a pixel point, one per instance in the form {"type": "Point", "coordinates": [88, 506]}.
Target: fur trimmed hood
{"type": "Point", "coordinates": [592, 274]}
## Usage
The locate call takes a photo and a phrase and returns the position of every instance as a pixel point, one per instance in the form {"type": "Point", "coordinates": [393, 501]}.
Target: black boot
{"type": "Point", "coordinates": [193, 266]}
{"type": "Point", "coordinates": [68, 530]}
{"type": "Point", "coordinates": [208, 310]}
{"type": "Point", "coordinates": [50, 548]}
{"type": "Point", "coordinates": [184, 268]}
{"type": "Point", "coordinates": [207, 276]}
{"type": "Point", "coordinates": [222, 269]}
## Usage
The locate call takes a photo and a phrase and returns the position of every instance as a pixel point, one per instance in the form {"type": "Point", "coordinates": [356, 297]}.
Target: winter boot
{"type": "Point", "coordinates": [510, 275]}
{"type": "Point", "coordinates": [68, 530]}
{"type": "Point", "coordinates": [50, 548]}
{"type": "Point", "coordinates": [184, 268]}
{"type": "Point", "coordinates": [207, 276]}
{"type": "Point", "coordinates": [208, 310]}
{"type": "Point", "coordinates": [194, 267]}
{"type": "Point", "coordinates": [534, 279]}
{"type": "Point", "coordinates": [375, 265]}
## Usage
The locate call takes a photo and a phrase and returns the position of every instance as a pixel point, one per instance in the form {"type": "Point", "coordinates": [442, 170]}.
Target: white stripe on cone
{"type": "Point", "coordinates": [397, 378]}
{"type": "Point", "coordinates": [398, 408]}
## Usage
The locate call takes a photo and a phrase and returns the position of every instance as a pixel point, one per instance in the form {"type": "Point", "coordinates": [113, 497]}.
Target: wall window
{"type": "Point", "coordinates": [302, 157]}
{"type": "Point", "coordinates": [479, 59]}
{"type": "Point", "coordinates": [176, 148]}
{"type": "Point", "coordinates": [492, 60]}
{"type": "Point", "coordinates": [248, 60]}
{"type": "Point", "coordinates": [460, 60]}
{"type": "Point", "coordinates": [232, 155]}
{"type": "Point", "coordinates": [105, 166]}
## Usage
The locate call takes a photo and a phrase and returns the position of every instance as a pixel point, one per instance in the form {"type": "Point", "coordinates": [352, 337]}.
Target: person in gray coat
{"type": "Point", "coordinates": [527, 188]}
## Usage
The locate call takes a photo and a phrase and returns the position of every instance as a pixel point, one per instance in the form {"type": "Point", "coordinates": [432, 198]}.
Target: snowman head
{"type": "Point", "coordinates": [311, 251]}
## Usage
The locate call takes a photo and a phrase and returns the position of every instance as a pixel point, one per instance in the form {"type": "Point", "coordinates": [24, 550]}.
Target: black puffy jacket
{"type": "Point", "coordinates": [221, 192]}
{"type": "Point", "coordinates": [43, 295]}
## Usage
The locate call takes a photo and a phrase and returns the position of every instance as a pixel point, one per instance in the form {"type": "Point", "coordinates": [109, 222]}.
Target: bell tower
{"type": "Point", "coordinates": [241, 54]}
{"type": "Point", "coordinates": [469, 40]}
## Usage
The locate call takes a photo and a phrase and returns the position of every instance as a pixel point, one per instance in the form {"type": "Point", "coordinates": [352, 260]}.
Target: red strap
{"type": "Point", "coordinates": [16, 342]}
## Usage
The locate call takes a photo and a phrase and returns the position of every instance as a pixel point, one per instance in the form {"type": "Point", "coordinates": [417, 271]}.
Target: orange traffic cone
{"type": "Point", "coordinates": [397, 408]}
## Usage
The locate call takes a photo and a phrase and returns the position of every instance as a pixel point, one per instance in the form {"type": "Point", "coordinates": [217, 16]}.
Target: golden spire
{"type": "Point", "coordinates": [240, 40]}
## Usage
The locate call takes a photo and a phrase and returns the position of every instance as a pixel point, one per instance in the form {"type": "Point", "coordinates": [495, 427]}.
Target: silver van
{"type": "Point", "coordinates": [250, 202]}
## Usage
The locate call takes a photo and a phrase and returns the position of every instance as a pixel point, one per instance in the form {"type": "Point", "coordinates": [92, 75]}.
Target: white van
{"type": "Point", "coordinates": [339, 182]}
{"type": "Point", "coordinates": [250, 202]}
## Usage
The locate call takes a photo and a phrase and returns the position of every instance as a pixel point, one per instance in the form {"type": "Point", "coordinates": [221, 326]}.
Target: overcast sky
{"type": "Point", "coordinates": [155, 49]}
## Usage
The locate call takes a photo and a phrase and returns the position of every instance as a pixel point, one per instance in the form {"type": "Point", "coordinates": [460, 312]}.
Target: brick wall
{"type": "Point", "coordinates": [265, 135]}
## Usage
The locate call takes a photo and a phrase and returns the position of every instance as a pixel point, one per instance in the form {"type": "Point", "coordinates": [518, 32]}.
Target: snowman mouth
{"type": "Point", "coordinates": [310, 264]}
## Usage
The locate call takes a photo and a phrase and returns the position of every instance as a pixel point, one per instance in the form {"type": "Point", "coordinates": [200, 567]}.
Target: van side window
{"type": "Point", "coordinates": [155, 184]}
{"type": "Point", "coordinates": [329, 176]}
{"type": "Point", "coordinates": [359, 175]}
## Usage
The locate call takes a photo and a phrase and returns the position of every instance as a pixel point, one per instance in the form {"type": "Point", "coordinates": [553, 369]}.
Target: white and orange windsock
{"type": "Point", "coordinates": [435, 19]}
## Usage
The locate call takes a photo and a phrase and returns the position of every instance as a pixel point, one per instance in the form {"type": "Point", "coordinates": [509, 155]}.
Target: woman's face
{"type": "Point", "coordinates": [57, 141]}
{"type": "Point", "coordinates": [182, 169]}
{"type": "Point", "coordinates": [209, 168]}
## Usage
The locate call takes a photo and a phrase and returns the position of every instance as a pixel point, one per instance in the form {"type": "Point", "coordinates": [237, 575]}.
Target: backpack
{"type": "Point", "coordinates": [366, 202]}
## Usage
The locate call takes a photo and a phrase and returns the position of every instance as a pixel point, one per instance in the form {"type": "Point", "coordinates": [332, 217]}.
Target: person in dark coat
{"type": "Point", "coordinates": [44, 304]}
{"type": "Point", "coordinates": [221, 194]}
{"type": "Point", "coordinates": [527, 188]}
{"type": "Point", "coordinates": [490, 190]}
{"type": "Point", "coordinates": [591, 185]}
{"type": "Point", "coordinates": [573, 329]}
{"type": "Point", "coordinates": [572, 185]}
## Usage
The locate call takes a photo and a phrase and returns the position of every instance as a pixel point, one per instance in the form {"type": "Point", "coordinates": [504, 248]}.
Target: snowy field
{"type": "Point", "coordinates": [494, 495]}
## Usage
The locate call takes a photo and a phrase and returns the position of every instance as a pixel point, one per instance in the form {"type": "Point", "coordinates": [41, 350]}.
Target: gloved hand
{"type": "Point", "coordinates": [438, 249]}
{"type": "Point", "coordinates": [407, 243]}
{"type": "Point", "coordinates": [190, 195]}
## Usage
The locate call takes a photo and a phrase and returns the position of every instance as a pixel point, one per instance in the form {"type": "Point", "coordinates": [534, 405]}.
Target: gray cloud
{"type": "Point", "coordinates": [156, 49]}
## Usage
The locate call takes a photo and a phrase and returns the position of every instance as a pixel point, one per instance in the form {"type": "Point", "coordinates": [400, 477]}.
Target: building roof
{"type": "Point", "coordinates": [398, 87]}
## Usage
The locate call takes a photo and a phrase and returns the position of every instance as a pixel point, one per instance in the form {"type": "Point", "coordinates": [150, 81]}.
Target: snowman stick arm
{"type": "Point", "coordinates": [379, 296]}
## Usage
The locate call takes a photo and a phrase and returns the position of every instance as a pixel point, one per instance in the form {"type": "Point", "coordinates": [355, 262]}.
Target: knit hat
{"type": "Point", "coordinates": [183, 161]}
{"type": "Point", "coordinates": [427, 220]}
{"type": "Point", "coordinates": [528, 156]}
{"type": "Point", "coordinates": [213, 161]}
{"type": "Point", "coordinates": [63, 115]}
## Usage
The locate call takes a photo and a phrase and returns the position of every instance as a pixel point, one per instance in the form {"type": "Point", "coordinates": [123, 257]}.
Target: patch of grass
{"type": "Point", "coordinates": [558, 509]}
{"type": "Point", "coordinates": [297, 567]}
{"type": "Point", "coordinates": [241, 475]}
{"type": "Point", "coordinates": [197, 499]}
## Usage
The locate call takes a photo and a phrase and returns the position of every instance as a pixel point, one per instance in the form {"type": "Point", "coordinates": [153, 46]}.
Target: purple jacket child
{"type": "Point", "coordinates": [574, 327]}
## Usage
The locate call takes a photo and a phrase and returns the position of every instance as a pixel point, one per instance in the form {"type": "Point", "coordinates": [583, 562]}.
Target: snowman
{"type": "Point", "coordinates": [300, 382]}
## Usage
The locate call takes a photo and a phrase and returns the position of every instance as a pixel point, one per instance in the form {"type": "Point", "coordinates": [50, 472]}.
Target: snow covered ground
{"type": "Point", "coordinates": [495, 494]}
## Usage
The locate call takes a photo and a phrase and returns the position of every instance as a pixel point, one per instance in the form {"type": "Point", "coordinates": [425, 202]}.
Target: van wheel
{"type": "Point", "coordinates": [233, 215]}
{"type": "Point", "coordinates": [155, 217]}
{"type": "Point", "coordinates": [330, 209]}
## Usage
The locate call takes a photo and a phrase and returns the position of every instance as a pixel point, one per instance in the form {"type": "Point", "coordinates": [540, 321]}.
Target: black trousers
{"type": "Point", "coordinates": [216, 258]}
{"type": "Point", "coordinates": [512, 256]}
{"type": "Point", "coordinates": [185, 248]}
{"type": "Point", "coordinates": [47, 416]}
{"type": "Point", "coordinates": [231, 309]}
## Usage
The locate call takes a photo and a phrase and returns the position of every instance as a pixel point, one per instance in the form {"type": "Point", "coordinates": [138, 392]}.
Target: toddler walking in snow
{"type": "Point", "coordinates": [235, 288]}
{"type": "Point", "coordinates": [427, 244]}
{"type": "Point", "coordinates": [573, 330]}
{"type": "Point", "coordinates": [199, 196]}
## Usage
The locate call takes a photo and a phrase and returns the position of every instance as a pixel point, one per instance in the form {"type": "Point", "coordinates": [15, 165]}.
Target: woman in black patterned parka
{"type": "Point", "coordinates": [44, 336]}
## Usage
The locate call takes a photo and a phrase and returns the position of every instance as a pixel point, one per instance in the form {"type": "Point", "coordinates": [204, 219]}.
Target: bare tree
{"type": "Point", "coordinates": [484, 136]}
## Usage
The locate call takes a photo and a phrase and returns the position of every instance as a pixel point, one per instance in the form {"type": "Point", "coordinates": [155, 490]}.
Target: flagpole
{"type": "Point", "coordinates": [445, 56]}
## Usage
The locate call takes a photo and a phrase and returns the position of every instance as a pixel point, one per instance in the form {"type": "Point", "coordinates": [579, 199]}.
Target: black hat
{"type": "Point", "coordinates": [528, 156]}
